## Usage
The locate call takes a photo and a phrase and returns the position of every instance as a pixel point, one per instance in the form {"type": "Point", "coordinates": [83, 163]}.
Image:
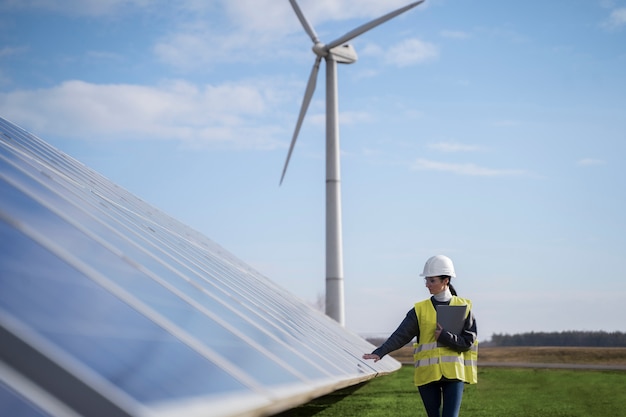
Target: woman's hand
{"type": "Point", "coordinates": [371, 356]}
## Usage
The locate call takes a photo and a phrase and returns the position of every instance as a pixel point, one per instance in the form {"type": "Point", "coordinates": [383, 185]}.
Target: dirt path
{"type": "Point", "coordinates": [587, 366]}
{"type": "Point", "coordinates": [598, 358]}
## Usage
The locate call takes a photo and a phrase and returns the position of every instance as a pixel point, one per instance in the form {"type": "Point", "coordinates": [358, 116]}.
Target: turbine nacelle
{"type": "Point", "coordinates": [344, 54]}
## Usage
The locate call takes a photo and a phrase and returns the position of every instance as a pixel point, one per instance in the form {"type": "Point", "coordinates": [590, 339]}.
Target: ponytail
{"type": "Point", "coordinates": [452, 290]}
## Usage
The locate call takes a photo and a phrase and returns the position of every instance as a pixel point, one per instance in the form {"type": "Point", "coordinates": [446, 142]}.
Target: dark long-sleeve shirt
{"type": "Point", "coordinates": [409, 329]}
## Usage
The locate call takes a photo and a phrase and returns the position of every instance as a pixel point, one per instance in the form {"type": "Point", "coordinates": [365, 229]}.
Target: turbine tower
{"type": "Point", "coordinates": [334, 52]}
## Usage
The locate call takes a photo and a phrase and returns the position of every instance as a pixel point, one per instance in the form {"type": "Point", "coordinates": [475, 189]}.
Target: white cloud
{"type": "Point", "coordinates": [506, 123]}
{"type": "Point", "coordinates": [464, 169]}
{"type": "Point", "coordinates": [454, 147]}
{"type": "Point", "coordinates": [590, 162]}
{"type": "Point", "coordinates": [10, 51]}
{"type": "Point", "coordinates": [223, 116]}
{"type": "Point", "coordinates": [104, 56]}
{"type": "Point", "coordinates": [454, 34]}
{"type": "Point", "coordinates": [262, 16]}
{"type": "Point", "coordinates": [248, 31]}
{"type": "Point", "coordinates": [354, 117]}
{"type": "Point", "coordinates": [411, 52]}
{"type": "Point", "coordinates": [318, 10]}
{"type": "Point", "coordinates": [188, 51]}
{"type": "Point", "coordinates": [617, 18]}
{"type": "Point", "coordinates": [254, 28]}
{"type": "Point", "coordinates": [372, 49]}
{"type": "Point", "coordinates": [255, 15]}
{"type": "Point", "coordinates": [364, 73]}
{"type": "Point", "coordinates": [75, 7]}
{"type": "Point", "coordinates": [194, 38]}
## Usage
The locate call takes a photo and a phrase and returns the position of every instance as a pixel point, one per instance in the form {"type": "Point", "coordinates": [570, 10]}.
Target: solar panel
{"type": "Point", "coordinates": [109, 307]}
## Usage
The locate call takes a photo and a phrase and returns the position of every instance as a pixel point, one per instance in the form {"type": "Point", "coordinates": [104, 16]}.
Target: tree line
{"type": "Point", "coordinates": [565, 338]}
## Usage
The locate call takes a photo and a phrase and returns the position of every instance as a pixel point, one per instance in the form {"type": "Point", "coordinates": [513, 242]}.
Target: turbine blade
{"type": "Point", "coordinates": [367, 26]}
{"type": "Point", "coordinates": [305, 23]}
{"type": "Point", "coordinates": [308, 94]}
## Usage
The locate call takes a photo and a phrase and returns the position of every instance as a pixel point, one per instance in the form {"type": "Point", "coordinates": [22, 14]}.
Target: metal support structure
{"type": "Point", "coordinates": [334, 245]}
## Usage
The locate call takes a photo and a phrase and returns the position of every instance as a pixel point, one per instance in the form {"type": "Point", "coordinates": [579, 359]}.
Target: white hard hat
{"type": "Point", "coordinates": [438, 265]}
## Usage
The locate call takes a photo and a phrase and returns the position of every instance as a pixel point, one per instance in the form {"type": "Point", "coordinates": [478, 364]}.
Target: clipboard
{"type": "Point", "coordinates": [451, 318]}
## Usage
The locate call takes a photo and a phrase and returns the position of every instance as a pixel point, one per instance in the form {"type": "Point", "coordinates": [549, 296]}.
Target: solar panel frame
{"type": "Point", "coordinates": [19, 396]}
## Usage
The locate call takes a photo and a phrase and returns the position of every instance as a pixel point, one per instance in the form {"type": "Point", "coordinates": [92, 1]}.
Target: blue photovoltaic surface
{"type": "Point", "coordinates": [120, 304]}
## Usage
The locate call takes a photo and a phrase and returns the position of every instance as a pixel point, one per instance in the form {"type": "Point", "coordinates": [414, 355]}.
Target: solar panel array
{"type": "Point", "coordinates": [109, 307]}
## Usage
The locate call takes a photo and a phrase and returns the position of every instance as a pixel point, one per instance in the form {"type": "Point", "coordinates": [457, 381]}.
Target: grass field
{"type": "Point", "coordinates": [500, 392]}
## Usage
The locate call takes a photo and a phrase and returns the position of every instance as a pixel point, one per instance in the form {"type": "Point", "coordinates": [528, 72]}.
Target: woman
{"type": "Point", "coordinates": [444, 361]}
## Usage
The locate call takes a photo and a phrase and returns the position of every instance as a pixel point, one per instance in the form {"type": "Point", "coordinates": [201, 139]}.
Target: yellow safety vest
{"type": "Point", "coordinates": [432, 362]}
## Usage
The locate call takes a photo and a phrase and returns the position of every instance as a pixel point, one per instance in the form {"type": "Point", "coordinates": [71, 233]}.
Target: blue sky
{"type": "Point", "coordinates": [492, 132]}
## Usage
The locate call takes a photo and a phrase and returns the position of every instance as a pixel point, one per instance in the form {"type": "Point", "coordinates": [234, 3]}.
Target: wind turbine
{"type": "Point", "coordinates": [334, 52]}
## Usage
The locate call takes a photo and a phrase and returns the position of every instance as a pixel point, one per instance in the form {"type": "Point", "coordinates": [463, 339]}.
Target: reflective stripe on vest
{"type": "Point", "coordinates": [432, 362]}
{"type": "Point", "coordinates": [453, 358]}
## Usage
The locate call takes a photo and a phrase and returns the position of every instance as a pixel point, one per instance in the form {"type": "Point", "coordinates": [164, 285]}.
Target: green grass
{"type": "Point", "coordinates": [500, 392]}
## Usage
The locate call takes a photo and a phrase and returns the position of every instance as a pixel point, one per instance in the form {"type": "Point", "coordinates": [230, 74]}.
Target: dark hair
{"type": "Point", "coordinates": [452, 290]}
